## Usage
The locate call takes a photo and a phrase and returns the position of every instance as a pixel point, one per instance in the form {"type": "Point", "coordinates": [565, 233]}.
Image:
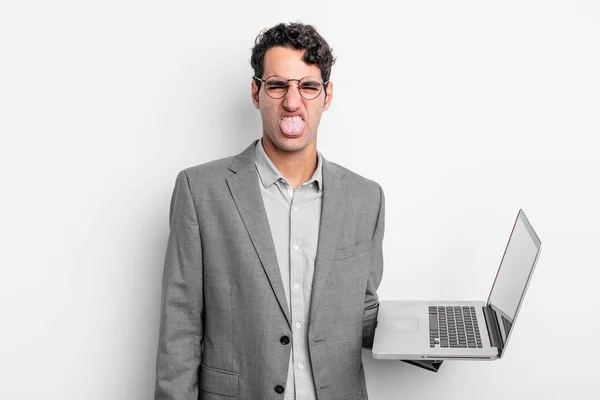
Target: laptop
{"type": "Point", "coordinates": [462, 330]}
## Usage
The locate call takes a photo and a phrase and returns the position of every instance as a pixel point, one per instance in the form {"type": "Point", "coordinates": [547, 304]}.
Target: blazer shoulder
{"type": "Point", "coordinates": [215, 170]}
{"type": "Point", "coordinates": [355, 181]}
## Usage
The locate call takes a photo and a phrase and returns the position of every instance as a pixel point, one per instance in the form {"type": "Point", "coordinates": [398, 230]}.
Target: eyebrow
{"type": "Point", "coordinates": [284, 78]}
{"type": "Point", "coordinates": [311, 83]}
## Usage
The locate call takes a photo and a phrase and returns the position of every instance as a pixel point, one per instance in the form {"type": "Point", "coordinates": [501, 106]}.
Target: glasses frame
{"type": "Point", "coordinates": [264, 81]}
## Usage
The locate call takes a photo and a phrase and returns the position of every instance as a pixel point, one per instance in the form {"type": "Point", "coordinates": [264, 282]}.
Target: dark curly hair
{"type": "Point", "coordinates": [293, 35]}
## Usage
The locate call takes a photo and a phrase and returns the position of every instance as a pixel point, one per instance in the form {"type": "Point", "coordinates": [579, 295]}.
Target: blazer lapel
{"type": "Point", "coordinates": [248, 199]}
{"type": "Point", "coordinates": [333, 208]}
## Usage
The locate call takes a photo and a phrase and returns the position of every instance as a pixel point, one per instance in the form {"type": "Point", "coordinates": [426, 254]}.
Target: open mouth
{"type": "Point", "coordinates": [292, 126]}
{"type": "Point", "coordinates": [294, 118]}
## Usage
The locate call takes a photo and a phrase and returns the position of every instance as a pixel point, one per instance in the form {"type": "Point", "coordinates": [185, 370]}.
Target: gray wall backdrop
{"type": "Point", "coordinates": [463, 111]}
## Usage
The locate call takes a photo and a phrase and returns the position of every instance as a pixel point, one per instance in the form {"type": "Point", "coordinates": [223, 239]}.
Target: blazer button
{"type": "Point", "coordinates": [279, 389]}
{"type": "Point", "coordinates": [284, 340]}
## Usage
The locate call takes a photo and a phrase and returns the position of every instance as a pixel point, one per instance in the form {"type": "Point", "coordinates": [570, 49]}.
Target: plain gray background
{"type": "Point", "coordinates": [463, 111]}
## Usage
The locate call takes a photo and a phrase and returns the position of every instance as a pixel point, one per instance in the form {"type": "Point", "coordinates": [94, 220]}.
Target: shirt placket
{"type": "Point", "coordinates": [297, 295]}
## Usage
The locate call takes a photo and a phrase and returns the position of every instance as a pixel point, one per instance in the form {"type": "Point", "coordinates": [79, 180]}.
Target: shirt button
{"type": "Point", "coordinates": [298, 325]}
{"type": "Point", "coordinates": [295, 208]}
{"type": "Point", "coordinates": [284, 340]}
{"type": "Point", "coordinates": [310, 185]}
{"type": "Point", "coordinates": [300, 366]}
{"type": "Point", "coordinates": [279, 389]}
{"type": "Point", "coordinates": [296, 286]}
{"type": "Point", "coordinates": [295, 247]}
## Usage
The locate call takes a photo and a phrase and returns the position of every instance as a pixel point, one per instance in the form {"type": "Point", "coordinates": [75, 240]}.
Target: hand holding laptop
{"type": "Point", "coordinates": [417, 331]}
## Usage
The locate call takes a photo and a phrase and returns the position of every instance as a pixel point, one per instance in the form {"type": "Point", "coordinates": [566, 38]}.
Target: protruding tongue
{"type": "Point", "coordinates": [292, 128]}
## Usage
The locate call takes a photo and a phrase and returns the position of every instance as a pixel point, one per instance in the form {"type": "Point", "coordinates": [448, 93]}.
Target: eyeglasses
{"type": "Point", "coordinates": [277, 86]}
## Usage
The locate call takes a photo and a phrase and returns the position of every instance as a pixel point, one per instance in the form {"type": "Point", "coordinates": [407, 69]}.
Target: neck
{"type": "Point", "coordinates": [296, 167]}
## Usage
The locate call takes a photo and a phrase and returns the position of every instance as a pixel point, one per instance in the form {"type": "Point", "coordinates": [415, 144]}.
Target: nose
{"type": "Point", "coordinates": [292, 99]}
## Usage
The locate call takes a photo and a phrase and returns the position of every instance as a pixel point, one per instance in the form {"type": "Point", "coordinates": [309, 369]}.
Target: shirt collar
{"type": "Point", "coordinates": [269, 174]}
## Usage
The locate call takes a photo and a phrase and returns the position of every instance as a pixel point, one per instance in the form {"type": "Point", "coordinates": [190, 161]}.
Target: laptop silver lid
{"type": "Point", "coordinates": [514, 274]}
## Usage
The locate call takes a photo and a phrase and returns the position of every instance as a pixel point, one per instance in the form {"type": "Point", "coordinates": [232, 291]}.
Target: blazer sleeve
{"type": "Point", "coordinates": [181, 310]}
{"type": "Point", "coordinates": [374, 278]}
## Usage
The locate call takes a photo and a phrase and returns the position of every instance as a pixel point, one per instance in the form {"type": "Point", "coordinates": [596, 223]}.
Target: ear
{"type": "Point", "coordinates": [329, 97]}
{"type": "Point", "coordinates": [255, 93]}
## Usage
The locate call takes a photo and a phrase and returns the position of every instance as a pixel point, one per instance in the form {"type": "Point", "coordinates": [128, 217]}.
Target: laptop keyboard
{"type": "Point", "coordinates": [507, 325]}
{"type": "Point", "coordinates": [453, 326]}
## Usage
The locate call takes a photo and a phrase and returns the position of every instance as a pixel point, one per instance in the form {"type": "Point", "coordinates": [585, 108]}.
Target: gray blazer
{"type": "Point", "coordinates": [224, 315]}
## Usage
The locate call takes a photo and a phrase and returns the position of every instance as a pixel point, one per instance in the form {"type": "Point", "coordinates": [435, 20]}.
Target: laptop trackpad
{"type": "Point", "coordinates": [405, 325]}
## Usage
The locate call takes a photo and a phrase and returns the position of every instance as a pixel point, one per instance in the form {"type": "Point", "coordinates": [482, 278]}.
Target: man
{"type": "Point", "coordinates": [274, 255]}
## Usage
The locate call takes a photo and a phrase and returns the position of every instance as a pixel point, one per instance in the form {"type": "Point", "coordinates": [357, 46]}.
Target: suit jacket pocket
{"type": "Point", "coordinates": [351, 251]}
{"type": "Point", "coordinates": [217, 381]}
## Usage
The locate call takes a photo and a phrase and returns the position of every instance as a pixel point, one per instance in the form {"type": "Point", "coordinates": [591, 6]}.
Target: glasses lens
{"type": "Point", "coordinates": [310, 87]}
{"type": "Point", "coordinates": [276, 86]}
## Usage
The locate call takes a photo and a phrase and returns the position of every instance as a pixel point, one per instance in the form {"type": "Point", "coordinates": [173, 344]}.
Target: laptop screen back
{"type": "Point", "coordinates": [516, 269]}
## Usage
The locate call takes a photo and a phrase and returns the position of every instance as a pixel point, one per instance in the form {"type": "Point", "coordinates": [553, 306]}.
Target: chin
{"type": "Point", "coordinates": [298, 143]}
{"type": "Point", "coordinates": [289, 144]}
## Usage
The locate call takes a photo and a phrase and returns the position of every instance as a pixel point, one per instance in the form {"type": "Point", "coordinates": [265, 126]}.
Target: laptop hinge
{"type": "Point", "coordinates": [493, 328]}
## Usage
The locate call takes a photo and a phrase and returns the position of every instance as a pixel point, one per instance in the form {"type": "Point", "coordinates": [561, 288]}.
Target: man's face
{"type": "Point", "coordinates": [290, 135]}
